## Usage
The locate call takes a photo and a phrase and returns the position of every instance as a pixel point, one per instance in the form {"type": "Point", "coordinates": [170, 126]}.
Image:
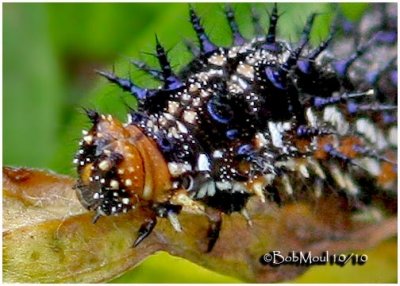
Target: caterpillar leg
{"type": "Point", "coordinates": [145, 229]}
{"type": "Point", "coordinates": [214, 230]}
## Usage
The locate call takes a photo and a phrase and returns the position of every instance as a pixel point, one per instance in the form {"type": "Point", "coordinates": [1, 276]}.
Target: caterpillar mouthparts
{"type": "Point", "coordinates": [263, 117]}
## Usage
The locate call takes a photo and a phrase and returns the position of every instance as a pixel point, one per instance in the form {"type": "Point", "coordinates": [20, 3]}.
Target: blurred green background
{"type": "Point", "coordinates": [50, 52]}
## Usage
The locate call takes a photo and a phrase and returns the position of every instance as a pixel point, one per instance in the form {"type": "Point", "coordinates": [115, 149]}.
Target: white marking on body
{"type": "Point", "coordinates": [181, 127]}
{"type": "Point", "coordinates": [129, 118]}
{"type": "Point", "coordinates": [337, 176]}
{"type": "Point", "coordinates": [177, 169]}
{"type": "Point", "coordinates": [189, 116]}
{"type": "Point", "coordinates": [218, 154]}
{"type": "Point", "coordinates": [88, 139]}
{"type": "Point", "coordinates": [269, 179]}
{"type": "Point", "coordinates": [218, 60]}
{"type": "Point", "coordinates": [193, 88]}
{"type": "Point", "coordinates": [336, 118]}
{"type": "Point", "coordinates": [173, 107]}
{"type": "Point", "coordinates": [203, 190]}
{"type": "Point", "coordinates": [350, 185]}
{"type": "Point", "coordinates": [303, 170]}
{"type": "Point", "coordinates": [287, 185]}
{"type": "Point", "coordinates": [318, 187]}
{"type": "Point", "coordinates": [246, 70]}
{"type": "Point", "coordinates": [259, 140]}
{"type": "Point", "coordinates": [277, 130]}
{"type": "Point", "coordinates": [204, 93]}
{"type": "Point", "coordinates": [311, 118]}
{"type": "Point", "coordinates": [316, 168]}
{"type": "Point", "coordinates": [174, 132]}
{"type": "Point", "coordinates": [114, 184]}
{"type": "Point", "coordinates": [128, 182]}
{"type": "Point", "coordinates": [223, 185]}
{"type": "Point", "coordinates": [126, 201]}
{"type": "Point", "coordinates": [203, 164]}
{"type": "Point", "coordinates": [104, 165]}
{"type": "Point", "coordinates": [243, 84]}
{"type": "Point", "coordinates": [371, 165]}
{"type": "Point", "coordinates": [168, 116]}
{"type": "Point", "coordinates": [373, 134]}
{"type": "Point", "coordinates": [238, 187]}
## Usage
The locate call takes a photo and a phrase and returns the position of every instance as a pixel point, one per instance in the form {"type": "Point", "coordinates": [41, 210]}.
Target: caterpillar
{"type": "Point", "coordinates": [263, 117]}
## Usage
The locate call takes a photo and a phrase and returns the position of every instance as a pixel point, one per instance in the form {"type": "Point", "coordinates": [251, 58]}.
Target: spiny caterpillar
{"type": "Point", "coordinates": [263, 117]}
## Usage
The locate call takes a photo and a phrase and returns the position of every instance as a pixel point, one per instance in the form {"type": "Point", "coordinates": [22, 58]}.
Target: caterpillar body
{"type": "Point", "coordinates": [263, 117]}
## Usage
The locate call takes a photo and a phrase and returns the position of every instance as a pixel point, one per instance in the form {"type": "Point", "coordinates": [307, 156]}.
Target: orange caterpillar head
{"type": "Point", "coordinates": [119, 168]}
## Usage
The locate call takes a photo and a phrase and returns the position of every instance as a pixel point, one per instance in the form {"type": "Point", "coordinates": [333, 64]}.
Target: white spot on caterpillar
{"type": "Point", "coordinates": [168, 116]}
{"type": "Point", "coordinates": [218, 60]}
{"type": "Point", "coordinates": [312, 119]}
{"type": "Point", "coordinates": [239, 187]}
{"type": "Point", "coordinates": [303, 170]}
{"type": "Point", "coordinates": [259, 140]}
{"type": "Point", "coordinates": [177, 169]}
{"type": "Point", "coordinates": [173, 107]}
{"type": "Point", "coordinates": [287, 185]}
{"type": "Point", "coordinates": [217, 154]}
{"type": "Point", "coordinates": [243, 84]}
{"type": "Point", "coordinates": [276, 130]}
{"type": "Point", "coordinates": [335, 117]}
{"type": "Point", "coordinates": [337, 176]}
{"type": "Point", "coordinates": [114, 184]}
{"type": "Point", "coordinates": [276, 134]}
{"type": "Point", "coordinates": [181, 127]}
{"type": "Point", "coordinates": [104, 165]}
{"type": "Point", "coordinates": [246, 70]}
{"type": "Point", "coordinates": [371, 165]}
{"type": "Point", "coordinates": [88, 139]}
{"type": "Point", "coordinates": [223, 185]}
{"type": "Point", "coordinates": [371, 133]}
{"type": "Point", "coordinates": [350, 185]}
{"type": "Point", "coordinates": [203, 164]}
{"type": "Point", "coordinates": [316, 168]}
{"type": "Point", "coordinates": [189, 116]}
